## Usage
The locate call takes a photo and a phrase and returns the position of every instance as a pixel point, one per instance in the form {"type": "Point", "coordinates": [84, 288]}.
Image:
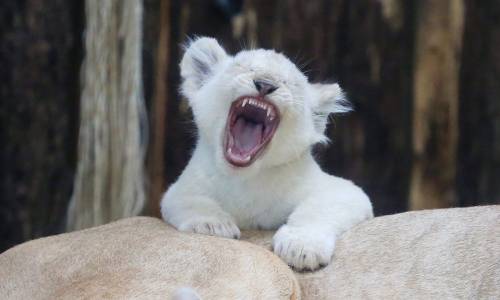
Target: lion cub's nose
{"type": "Point", "coordinates": [264, 88]}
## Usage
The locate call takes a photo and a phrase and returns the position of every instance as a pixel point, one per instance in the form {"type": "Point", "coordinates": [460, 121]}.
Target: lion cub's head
{"type": "Point", "coordinates": [255, 109]}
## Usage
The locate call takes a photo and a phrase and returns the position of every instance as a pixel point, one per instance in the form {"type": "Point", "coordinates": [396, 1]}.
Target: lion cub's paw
{"type": "Point", "coordinates": [303, 248]}
{"type": "Point", "coordinates": [223, 227]}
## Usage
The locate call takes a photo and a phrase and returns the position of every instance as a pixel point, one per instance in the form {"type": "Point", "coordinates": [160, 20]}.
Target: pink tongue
{"type": "Point", "coordinates": [247, 135]}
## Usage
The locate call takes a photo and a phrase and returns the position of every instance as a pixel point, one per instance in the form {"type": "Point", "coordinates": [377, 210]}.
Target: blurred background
{"type": "Point", "coordinates": [423, 75]}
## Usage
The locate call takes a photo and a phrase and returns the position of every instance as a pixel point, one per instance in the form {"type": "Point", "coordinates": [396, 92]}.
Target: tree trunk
{"type": "Point", "coordinates": [110, 178]}
{"type": "Point", "coordinates": [435, 108]}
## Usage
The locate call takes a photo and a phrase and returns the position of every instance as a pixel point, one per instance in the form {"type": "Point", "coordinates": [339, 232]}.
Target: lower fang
{"type": "Point", "coordinates": [247, 158]}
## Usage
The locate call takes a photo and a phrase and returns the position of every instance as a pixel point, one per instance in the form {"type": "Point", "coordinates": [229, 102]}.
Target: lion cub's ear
{"type": "Point", "coordinates": [329, 98]}
{"type": "Point", "coordinates": [201, 57]}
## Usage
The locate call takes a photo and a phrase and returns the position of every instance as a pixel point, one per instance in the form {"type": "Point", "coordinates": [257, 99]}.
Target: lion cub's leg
{"type": "Point", "coordinates": [307, 240]}
{"type": "Point", "coordinates": [198, 214]}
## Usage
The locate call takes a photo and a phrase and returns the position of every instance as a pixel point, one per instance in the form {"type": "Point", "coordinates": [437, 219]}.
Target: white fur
{"type": "Point", "coordinates": [284, 188]}
{"type": "Point", "coordinates": [185, 293]}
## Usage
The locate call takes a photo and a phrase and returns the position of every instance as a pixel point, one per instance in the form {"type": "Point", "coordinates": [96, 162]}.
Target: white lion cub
{"type": "Point", "coordinates": [258, 117]}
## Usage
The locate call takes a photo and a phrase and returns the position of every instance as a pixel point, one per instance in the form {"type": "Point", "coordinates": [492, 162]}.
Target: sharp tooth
{"type": "Point", "coordinates": [268, 111]}
{"type": "Point", "coordinates": [245, 102]}
{"type": "Point", "coordinates": [247, 158]}
{"type": "Point", "coordinates": [230, 150]}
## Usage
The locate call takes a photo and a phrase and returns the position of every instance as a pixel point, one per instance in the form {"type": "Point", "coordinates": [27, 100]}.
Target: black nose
{"type": "Point", "coordinates": [264, 88]}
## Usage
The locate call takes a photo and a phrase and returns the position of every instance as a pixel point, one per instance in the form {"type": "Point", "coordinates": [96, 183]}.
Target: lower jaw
{"type": "Point", "coordinates": [238, 163]}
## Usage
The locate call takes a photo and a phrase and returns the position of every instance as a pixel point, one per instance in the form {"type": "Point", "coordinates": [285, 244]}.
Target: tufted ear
{"type": "Point", "coordinates": [329, 98]}
{"type": "Point", "coordinates": [201, 57]}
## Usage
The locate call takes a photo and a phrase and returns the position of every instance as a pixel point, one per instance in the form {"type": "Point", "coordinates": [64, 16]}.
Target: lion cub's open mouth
{"type": "Point", "coordinates": [251, 124]}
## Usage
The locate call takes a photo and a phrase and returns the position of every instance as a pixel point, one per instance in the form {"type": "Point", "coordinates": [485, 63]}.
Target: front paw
{"type": "Point", "coordinates": [303, 248]}
{"type": "Point", "coordinates": [211, 226]}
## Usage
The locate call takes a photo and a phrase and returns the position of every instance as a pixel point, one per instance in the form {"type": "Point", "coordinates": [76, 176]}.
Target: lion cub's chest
{"type": "Point", "coordinates": [256, 206]}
